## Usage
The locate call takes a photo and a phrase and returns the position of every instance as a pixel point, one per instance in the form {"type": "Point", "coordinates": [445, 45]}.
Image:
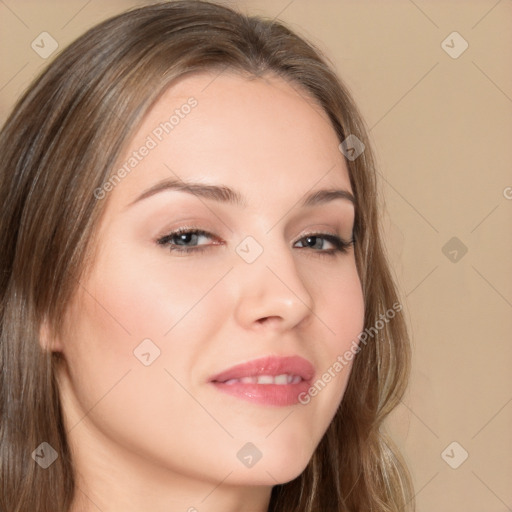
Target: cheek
{"type": "Point", "coordinates": [131, 403]}
{"type": "Point", "coordinates": [340, 304]}
{"type": "Point", "coordinates": [131, 306]}
{"type": "Point", "coordinates": [340, 307]}
{"type": "Point", "coordinates": [150, 295]}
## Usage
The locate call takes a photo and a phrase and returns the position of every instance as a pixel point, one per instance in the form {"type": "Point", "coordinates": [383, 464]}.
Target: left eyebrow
{"type": "Point", "coordinates": [326, 195]}
{"type": "Point", "coordinates": [224, 194]}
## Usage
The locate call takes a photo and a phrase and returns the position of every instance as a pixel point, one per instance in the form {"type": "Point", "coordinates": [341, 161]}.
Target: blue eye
{"type": "Point", "coordinates": [178, 240]}
{"type": "Point", "coordinates": [339, 244]}
{"type": "Point", "coordinates": [185, 240]}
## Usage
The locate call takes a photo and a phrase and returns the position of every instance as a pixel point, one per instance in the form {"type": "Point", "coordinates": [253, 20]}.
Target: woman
{"type": "Point", "coordinates": [197, 312]}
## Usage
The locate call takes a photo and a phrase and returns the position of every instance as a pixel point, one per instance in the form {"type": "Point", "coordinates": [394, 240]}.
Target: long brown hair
{"type": "Point", "coordinates": [60, 144]}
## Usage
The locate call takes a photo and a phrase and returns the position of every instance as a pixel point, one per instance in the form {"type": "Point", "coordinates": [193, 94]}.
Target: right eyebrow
{"type": "Point", "coordinates": [218, 193]}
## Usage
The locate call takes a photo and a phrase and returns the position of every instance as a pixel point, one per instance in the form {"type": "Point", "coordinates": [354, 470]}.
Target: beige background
{"type": "Point", "coordinates": [442, 130]}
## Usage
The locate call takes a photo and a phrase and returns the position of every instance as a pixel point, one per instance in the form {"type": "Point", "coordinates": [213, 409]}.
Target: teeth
{"type": "Point", "coordinates": [267, 379]}
{"type": "Point", "coordinates": [281, 379]}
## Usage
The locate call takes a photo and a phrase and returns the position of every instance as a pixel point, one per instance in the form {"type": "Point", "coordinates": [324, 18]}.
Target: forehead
{"type": "Point", "coordinates": [257, 135]}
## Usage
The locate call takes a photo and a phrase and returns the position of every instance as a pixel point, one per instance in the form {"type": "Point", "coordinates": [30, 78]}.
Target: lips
{"type": "Point", "coordinates": [283, 378]}
{"type": "Point", "coordinates": [269, 380]}
{"type": "Point", "coordinates": [271, 366]}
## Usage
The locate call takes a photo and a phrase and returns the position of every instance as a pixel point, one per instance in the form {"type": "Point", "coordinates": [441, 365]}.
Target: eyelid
{"type": "Point", "coordinates": [186, 229]}
{"type": "Point", "coordinates": [341, 245]}
{"type": "Point", "coordinates": [195, 228]}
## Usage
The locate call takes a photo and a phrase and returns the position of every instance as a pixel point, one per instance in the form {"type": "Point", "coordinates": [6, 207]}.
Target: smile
{"type": "Point", "coordinates": [267, 379]}
{"type": "Point", "coordinates": [271, 380]}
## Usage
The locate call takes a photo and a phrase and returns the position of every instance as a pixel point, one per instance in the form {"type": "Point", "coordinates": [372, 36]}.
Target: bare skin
{"type": "Point", "coordinates": [160, 437]}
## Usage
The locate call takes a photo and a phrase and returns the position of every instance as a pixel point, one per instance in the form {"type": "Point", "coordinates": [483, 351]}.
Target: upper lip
{"type": "Point", "coordinates": [269, 365]}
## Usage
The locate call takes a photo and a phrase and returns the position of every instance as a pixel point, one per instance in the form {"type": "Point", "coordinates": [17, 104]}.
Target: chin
{"type": "Point", "coordinates": [287, 473]}
{"type": "Point", "coordinates": [274, 472]}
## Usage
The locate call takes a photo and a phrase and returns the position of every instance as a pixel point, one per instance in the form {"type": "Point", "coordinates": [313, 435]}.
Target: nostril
{"type": "Point", "coordinates": [267, 319]}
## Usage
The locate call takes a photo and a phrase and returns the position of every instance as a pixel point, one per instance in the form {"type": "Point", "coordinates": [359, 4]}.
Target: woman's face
{"type": "Point", "coordinates": [152, 326]}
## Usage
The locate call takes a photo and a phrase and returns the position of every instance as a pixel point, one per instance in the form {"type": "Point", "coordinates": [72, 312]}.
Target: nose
{"type": "Point", "coordinates": [271, 292]}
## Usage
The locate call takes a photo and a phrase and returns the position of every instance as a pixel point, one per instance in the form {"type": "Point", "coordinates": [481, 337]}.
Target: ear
{"type": "Point", "coordinates": [48, 341]}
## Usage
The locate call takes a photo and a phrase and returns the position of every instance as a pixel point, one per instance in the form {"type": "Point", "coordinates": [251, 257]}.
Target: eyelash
{"type": "Point", "coordinates": [341, 246]}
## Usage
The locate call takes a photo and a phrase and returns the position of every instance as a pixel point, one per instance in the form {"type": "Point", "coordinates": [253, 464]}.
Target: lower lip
{"type": "Point", "coordinates": [266, 394]}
